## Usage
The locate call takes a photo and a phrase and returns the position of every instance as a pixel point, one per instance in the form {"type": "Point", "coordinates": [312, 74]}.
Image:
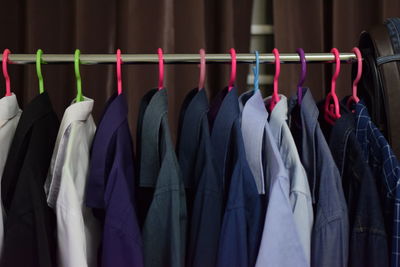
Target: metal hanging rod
{"type": "Point", "coordinates": [90, 59]}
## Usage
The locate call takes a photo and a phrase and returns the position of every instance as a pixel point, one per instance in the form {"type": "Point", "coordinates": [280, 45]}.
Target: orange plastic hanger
{"type": "Point", "coordinates": [332, 110]}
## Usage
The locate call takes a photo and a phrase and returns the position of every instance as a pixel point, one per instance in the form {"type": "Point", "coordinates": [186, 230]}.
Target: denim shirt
{"type": "Point", "coordinates": [368, 242]}
{"type": "Point", "coordinates": [386, 172]}
{"type": "Point", "coordinates": [330, 233]}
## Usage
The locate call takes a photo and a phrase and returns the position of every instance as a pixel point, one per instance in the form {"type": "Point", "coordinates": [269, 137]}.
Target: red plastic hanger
{"type": "Point", "coordinates": [303, 74]}
{"type": "Point", "coordinates": [332, 110]}
{"type": "Point", "coordinates": [119, 78]}
{"type": "Point", "coordinates": [202, 77]}
{"type": "Point", "coordinates": [233, 70]}
{"type": "Point", "coordinates": [275, 96]}
{"type": "Point", "coordinates": [5, 71]}
{"type": "Point", "coordinates": [160, 69]}
{"type": "Point", "coordinates": [354, 98]}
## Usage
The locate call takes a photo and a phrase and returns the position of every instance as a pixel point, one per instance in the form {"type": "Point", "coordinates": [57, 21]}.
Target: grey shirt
{"type": "Point", "coordinates": [164, 230]}
{"type": "Point", "coordinates": [330, 233]}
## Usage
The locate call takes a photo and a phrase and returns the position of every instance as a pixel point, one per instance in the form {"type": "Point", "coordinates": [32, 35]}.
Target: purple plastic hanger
{"type": "Point", "coordinates": [303, 74]}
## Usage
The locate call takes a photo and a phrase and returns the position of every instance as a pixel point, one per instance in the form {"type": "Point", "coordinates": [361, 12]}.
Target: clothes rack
{"type": "Point", "coordinates": [90, 59]}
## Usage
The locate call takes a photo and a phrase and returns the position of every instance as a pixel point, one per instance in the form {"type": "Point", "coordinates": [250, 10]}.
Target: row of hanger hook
{"type": "Point", "coordinates": [332, 110]}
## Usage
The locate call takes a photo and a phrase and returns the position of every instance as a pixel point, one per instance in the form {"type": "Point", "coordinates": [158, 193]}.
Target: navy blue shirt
{"type": "Point", "coordinates": [386, 172]}
{"type": "Point", "coordinates": [243, 221]}
{"type": "Point", "coordinates": [200, 176]}
{"type": "Point", "coordinates": [110, 187]}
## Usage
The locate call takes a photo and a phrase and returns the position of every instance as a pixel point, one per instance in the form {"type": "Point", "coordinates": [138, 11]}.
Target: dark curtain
{"type": "Point", "coordinates": [317, 26]}
{"type": "Point", "coordinates": [134, 26]}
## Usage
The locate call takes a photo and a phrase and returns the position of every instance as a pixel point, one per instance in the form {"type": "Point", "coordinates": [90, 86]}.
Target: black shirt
{"type": "Point", "coordinates": [29, 230]}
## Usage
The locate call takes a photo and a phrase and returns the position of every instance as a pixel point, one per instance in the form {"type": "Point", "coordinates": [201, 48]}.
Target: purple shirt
{"type": "Point", "coordinates": [110, 187]}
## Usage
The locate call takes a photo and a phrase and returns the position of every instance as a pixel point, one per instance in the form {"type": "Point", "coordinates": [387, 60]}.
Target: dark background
{"type": "Point", "coordinates": [178, 26]}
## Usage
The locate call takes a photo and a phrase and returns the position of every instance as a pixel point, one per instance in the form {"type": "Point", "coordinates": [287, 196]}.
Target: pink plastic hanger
{"type": "Point", "coordinates": [275, 96]}
{"type": "Point", "coordinates": [202, 77]}
{"type": "Point", "coordinates": [332, 111]}
{"type": "Point", "coordinates": [160, 69]}
{"type": "Point", "coordinates": [303, 74]}
{"type": "Point", "coordinates": [354, 98]}
{"type": "Point", "coordinates": [233, 70]}
{"type": "Point", "coordinates": [5, 71]}
{"type": "Point", "coordinates": [119, 75]}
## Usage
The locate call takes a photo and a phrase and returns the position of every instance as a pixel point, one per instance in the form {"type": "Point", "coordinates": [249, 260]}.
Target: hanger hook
{"type": "Point", "coordinates": [119, 75]}
{"type": "Point", "coordinates": [359, 72]}
{"type": "Point", "coordinates": [354, 98]}
{"type": "Point", "coordinates": [160, 69]}
{"type": "Point", "coordinates": [202, 77]}
{"type": "Point", "coordinates": [256, 70]}
{"type": "Point", "coordinates": [332, 111]}
{"type": "Point", "coordinates": [233, 69]}
{"type": "Point", "coordinates": [303, 74]}
{"type": "Point", "coordinates": [275, 96]}
{"type": "Point", "coordinates": [5, 71]}
{"type": "Point", "coordinates": [337, 69]}
{"type": "Point", "coordinates": [39, 62]}
{"type": "Point", "coordinates": [78, 75]}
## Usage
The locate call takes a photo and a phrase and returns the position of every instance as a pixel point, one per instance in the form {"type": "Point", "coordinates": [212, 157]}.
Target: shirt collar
{"type": "Point", "coordinates": [228, 112]}
{"type": "Point", "coordinates": [340, 132]}
{"type": "Point", "coordinates": [192, 115]}
{"type": "Point", "coordinates": [39, 107]}
{"type": "Point", "coordinates": [278, 115]}
{"type": "Point", "coordinates": [154, 125]}
{"type": "Point", "coordinates": [254, 122]}
{"type": "Point", "coordinates": [8, 108]}
{"type": "Point", "coordinates": [114, 115]}
{"type": "Point", "coordinates": [77, 111]}
{"type": "Point", "coordinates": [308, 108]}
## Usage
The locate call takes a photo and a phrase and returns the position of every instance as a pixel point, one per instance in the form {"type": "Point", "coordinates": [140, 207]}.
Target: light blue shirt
{"type": "Point", "coordinates": [300, 194]}
{"type": "Point", "coordinates": [280, 244]}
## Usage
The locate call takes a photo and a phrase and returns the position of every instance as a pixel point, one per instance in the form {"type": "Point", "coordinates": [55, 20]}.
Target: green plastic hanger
{"type": "Point", "coordinates": [39, 62]}
{"type": "Point", "coordinates": [79, 97]}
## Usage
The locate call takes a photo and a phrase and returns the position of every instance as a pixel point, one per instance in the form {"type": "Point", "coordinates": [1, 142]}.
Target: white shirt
{"type": "Point", "coordinates": [300, 194]}
{"type": "Point", "coordinates": [78, 232]}
{"type": "Point", "coordinates": [9, 118]}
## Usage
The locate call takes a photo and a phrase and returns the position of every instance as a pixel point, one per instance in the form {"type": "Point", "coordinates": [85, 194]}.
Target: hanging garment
{"type": "Point", "coordinates": [199, 173]}
{"type": "Point", "coordinates": [29, 230]}
{"type": "Point", "coordinates": [9, 118]}
{"type": "Point", "coordinates": [110, 187]}
{"type": "Point", "coordinates": [300, 195]}
{"type": "Point", "coordinates": [164, 230]}
{"type": "Point", "coordinates": [330, 233]}
{"type": "Point", "coordinates": [242, 222]}
{"type": "Point", "coordinates": [279, 237]}
{"type": "Point", "coordinates": [253, 131]}
{"type": "Point", "coordinates": [368, 240]}
{"type": "Point", "coordinates": [78, 231]}
{"type": "Point", "coordinates": [386, 172]}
